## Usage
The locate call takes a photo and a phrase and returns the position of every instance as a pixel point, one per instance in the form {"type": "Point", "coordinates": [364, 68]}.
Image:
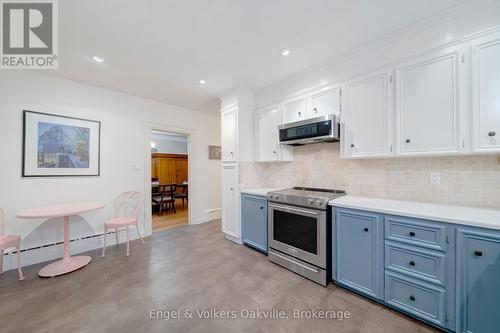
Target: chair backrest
{"type": "Point", "coordinates": [168, 189]}
{"type": "Point", "coordinates": [128, 204]}
{"type": "Point", "coordinates": [3, 221]}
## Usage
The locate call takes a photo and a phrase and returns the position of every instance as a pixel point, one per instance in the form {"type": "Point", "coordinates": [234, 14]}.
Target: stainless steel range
{"type": "Point", "coordinates": [300, 233]}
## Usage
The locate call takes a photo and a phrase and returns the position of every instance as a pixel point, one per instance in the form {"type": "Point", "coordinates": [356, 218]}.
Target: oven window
{"type": "Point", "coordinates": [296, 230]}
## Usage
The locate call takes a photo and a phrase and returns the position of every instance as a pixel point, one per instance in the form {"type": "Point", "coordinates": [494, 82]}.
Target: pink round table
{"type": "Point", "coordinates": [68, 263]}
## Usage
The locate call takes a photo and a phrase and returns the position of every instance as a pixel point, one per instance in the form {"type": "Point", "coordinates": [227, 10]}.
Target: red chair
{"type": "Point", "coordinates": [11, 242]}
{"type": "Point", "coordinates": [127, 207]}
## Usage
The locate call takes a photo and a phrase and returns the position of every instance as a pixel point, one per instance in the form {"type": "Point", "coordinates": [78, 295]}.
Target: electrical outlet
{"type": "Point", "coordinates": [435, 178]}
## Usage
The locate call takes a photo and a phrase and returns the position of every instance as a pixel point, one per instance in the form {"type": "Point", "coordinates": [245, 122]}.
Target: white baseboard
{"type": "Point", "coordinates": [52, 252]}
{"type": "Point", "coordinates": [209, 215]}
{"type": "Point", "coordinates": [234, 239]}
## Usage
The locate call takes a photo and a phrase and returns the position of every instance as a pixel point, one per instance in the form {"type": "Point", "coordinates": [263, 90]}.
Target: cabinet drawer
{"type": "Point", "coordinates": [417, 298]}
{"type": "Point", "coordinates": [416, 232]}
{"type": "Point", "coordinates": [418, 263]}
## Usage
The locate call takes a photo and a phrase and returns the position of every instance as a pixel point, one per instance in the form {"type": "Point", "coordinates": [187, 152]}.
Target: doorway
{"type": "Point", "coordinates": [169, 180]}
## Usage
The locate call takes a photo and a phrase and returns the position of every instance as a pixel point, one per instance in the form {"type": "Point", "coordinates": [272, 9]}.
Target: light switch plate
{"type": "Point", "coordinates": [435, 178]}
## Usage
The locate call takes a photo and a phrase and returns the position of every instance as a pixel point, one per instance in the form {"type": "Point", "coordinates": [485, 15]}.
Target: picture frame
{"type": "Point", "coordinates": [214, 152]}
{"type": "Point", "coordinates": [60, 146]}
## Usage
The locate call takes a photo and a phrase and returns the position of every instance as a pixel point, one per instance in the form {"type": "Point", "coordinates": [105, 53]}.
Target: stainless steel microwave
{"type": "Point", "coordinates": [319, 129]}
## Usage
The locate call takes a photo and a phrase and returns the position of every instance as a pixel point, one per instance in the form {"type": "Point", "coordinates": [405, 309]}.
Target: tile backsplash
{"type": "Point", "coordinates": [464, 180]}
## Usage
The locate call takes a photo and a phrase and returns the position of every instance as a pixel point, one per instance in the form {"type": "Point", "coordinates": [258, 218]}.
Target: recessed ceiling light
{"type": "Point", "coordinates": [285, 52]}
{"type": "Point", "coordinates": [202, 81]}
{"type": "Point", "coordinates": [98, 59]}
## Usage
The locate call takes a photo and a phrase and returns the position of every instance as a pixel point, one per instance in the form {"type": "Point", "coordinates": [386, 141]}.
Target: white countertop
{"type": "Point", "coordinates": [477, 217]}
{"type": "Point", "coordinates": [258, 191]}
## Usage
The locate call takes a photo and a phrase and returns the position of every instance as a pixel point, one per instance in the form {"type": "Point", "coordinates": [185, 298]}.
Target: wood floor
{"type": "Point", "coordinates": [169, 219]}
{"type": "Point", "coordinates": [191, 267]}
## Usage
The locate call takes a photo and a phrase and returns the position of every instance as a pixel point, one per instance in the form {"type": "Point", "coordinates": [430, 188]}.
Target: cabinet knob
{"type": "Point", "coordinates": [274, 151]}
{"type": "Point", "coordinates": [315, 110]}
{"type": "Point", "coordinates": [408, 140]}
{"type": "Point", "coordinates": [412, 298]}
{"type": "Point", "coordinates": [478, 253]}
{"type": "Point", "coordinates": [231, 152]}
{"type": "Point", "coordinates": [299, 113]}
{"type": "Point", "coordinates": [352, 145]}
{"type": "Point", "coordinates": [365, 229]}
{"type": "Point", "coordinates": [231, 188]}
{"type": "Point", "coordinates": [412, 234]}
{"type": "Point", "coordinates": [412, 263]}
{"type": "Point", "coordinates": [492, 133]}
{"type": "Point", "coordinates": [261, 207]}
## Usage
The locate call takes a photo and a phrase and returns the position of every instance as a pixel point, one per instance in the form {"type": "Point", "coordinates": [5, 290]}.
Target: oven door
{"type": "Point", "coordinates": [298, 232]}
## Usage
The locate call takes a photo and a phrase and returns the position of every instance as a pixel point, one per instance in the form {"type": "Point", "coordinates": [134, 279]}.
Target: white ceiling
{"type": "Point", "coordinates": [159, 49]}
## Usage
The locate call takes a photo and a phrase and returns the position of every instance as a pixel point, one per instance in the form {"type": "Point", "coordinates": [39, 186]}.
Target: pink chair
{"type": "Point", "coordinates": [126, 212]}
{"type": "Point", "coordinates": [9, 242]}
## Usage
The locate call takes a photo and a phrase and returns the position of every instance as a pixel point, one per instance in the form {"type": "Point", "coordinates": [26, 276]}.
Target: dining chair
{"type": "Point", "coordinates": [166, 198]}
{"type": "Point", "coordinates": [9, 242]}
{"type": "Point", "coordinates": [183, 195]}
{"type": "Point", "coordinates": [126, 214]}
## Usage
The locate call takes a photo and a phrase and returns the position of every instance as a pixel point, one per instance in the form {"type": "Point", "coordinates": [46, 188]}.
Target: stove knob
{"type": "Point", "coordinates": [310, 201]}
{"type": "Point", "coordinates": [319, 203]}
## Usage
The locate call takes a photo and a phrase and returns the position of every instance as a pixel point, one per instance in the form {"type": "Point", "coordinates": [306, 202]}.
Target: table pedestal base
{"type": "Point", "coordinates": [64, 266]}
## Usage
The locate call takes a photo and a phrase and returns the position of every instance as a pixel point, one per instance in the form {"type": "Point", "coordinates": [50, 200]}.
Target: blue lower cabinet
{"type": "Point", "coordinates": [254, 221]}
{"type": "Point", "coordinates": [416, 297]}
{"type": "Point", "coordinates": [478, 280]}
{"type": "Point", "coordinates": [358, 259]}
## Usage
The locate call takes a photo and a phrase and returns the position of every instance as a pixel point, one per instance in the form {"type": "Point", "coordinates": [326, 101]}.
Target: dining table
{"type": "Point", "coordinates": [68, 263]}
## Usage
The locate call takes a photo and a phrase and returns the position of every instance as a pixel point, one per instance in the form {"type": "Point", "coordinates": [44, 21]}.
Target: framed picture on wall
{"type": "Point", "coordinates": [60, 146]}
{"type": "Point", "coordinates": [214, 152]}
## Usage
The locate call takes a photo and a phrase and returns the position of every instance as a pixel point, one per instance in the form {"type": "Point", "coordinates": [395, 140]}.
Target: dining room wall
{"type": "Point", "coordinates": [123, 120]}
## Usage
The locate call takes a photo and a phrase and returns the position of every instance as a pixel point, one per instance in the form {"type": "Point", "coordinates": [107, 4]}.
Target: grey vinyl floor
{"type": "Point", "coordinates": [189, 268]}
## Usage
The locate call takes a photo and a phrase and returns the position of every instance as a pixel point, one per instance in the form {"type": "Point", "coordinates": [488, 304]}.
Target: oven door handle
{"type": "Point", "coordinates": [293, 209]}
{"type": "Point", "coordinates": [294, 262]}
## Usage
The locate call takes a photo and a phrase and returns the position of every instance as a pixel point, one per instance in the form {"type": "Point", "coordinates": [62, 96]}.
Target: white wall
{"type": "Point", "coordinates": [123, 152]}
{"type": "Point", "coordinates": [169, 145]}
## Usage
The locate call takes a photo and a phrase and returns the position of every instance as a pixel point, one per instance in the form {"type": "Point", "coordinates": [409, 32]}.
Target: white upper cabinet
{"type": "Point", "coordinates": [267, 137]}
{"type": "Point", "coordinates": [228, 135]}
{"type": "Point", "coordinates": [295, 110]}
{"type": "Point", "coordinates": [427, 104]}
{"type": "Point", "coordinates": [486, 94]}
{"type": "Point", "coordinates": [366, 117]}
{"type": "Point", "coordinates": [324, 102]}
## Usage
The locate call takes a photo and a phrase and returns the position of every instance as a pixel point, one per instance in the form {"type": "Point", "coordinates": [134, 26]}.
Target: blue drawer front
{"type": "Point", "coordinates": [254, 222]}
{"type": "Point", "coordinates": [478, 280]}
{"type": "Point", "coordinates": [416, 262]}
{"type": "Point", "coordinates": [428, 234]}
{"type": "Point", "coordinates": [417, 298]}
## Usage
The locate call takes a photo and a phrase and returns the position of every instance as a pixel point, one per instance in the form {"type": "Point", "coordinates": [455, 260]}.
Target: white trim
{"type": "Point", "coordinates": [148, 128]}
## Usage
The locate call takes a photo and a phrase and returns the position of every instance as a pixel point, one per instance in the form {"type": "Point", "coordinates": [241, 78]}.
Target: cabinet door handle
{"type": "Point", "coordinates": [478, 253]}
{"type": "Point", "coordinates": [408, 140]}
{"type": "Point", "coordinates": [492, 133]}
{"type": "Point", "coordinates": [365, 229]}
{"type": "Point", "coordinates": [412, 298]}
{"type": "Point", "coordinates": [412, 263]}
{"type": "Point", "coordinates": [412, 234]}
